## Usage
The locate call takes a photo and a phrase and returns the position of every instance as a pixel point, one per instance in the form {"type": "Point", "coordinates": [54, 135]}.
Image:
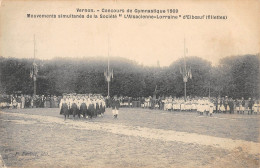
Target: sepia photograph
{"type": "Point", "coordinates": [129, 84]}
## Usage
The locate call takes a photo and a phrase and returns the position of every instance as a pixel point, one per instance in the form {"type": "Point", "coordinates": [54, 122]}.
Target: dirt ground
{"type": "Point", "coordinates": [138, 138]}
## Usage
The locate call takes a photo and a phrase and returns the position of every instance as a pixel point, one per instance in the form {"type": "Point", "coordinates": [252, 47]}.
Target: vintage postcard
{"type": "Point", "coordinates": [138, 84]}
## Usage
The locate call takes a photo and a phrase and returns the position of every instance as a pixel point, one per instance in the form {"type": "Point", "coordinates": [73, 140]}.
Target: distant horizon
{"type": "Point", "coordinates": [104, 58]}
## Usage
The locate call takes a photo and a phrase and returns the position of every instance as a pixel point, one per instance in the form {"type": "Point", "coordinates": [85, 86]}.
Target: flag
{"type": "Point", "coordinates": [190, 74]}
{"type": "Point", "coordinates": [36, 70]}
{"type": "Point", "coordinates": [31, 74]}
{"type": "Point", "coordinates": [180, 70]}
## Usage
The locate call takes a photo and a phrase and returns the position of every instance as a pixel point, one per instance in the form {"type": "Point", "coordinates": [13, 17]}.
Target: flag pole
{"type": "Point", "coordinates": [185, 72]}
{"type": "Point", "coordinates": [108, 68]}
{"type": "Point", "coordinates": [108, 74]}
{"type": "Point", "coordinates": [34, 70]}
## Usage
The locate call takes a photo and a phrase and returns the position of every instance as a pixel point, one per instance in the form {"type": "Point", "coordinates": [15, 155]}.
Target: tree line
{"type": "Point", "coordinates": [235, 76]}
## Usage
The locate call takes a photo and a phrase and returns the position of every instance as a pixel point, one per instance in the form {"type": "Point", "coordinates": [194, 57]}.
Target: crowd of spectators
{"type": "Point", "coordinates": [28, 101]}
{"type": "Point", "coordinates": [196, 104]}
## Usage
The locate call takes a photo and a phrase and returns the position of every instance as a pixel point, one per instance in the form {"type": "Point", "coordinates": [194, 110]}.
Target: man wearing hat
{"type": "Point", "coordinates": [115, 106]}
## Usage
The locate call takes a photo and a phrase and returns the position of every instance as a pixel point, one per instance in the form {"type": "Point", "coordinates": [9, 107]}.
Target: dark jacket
{"type": "Point", "coordinates": [115, 104]}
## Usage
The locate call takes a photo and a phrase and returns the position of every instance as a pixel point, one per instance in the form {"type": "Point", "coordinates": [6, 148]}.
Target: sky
{"type": "Point", "coordinates": [144, 41]}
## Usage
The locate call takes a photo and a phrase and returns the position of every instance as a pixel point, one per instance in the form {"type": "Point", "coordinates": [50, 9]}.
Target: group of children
{"type": "Point", "coordinates": [85, 105]}
{"type": "Point", "coordinates": [204, 105]}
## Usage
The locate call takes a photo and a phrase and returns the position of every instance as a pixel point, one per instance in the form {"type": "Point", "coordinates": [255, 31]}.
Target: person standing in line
{"type": "Point", "coordinates": [250, 106]}
{"type": "Point", "coordinates": [237, 106]}
{"type": "Point", "coordinates": [74, 107]}
{"type": "Point", "coordinates": [243, 103]}
{"type": "Point", "coordinates": [91, 107]}
{"type": "Point", "coordinates": [15, 103]}
{"type": "Point", "coordinates": [22, 101]}
{"type": "Point", "coordinates": [231, 105]}
{"type": "Point", "coordinates": [27, 101]}
{"type": "Point", "coordinates": [215, 105]}
{"type": "Point", "coordinates": [42, 101]}
{"type": "Point", "coordinates": [226, 104]}
{"type": "Point", "coordinates": [64, 108]}
{"type": "Point", "coordinates": [109, 101]}
{"type": "Point", "coordinates": [246, 106]}
{"type": "Point", "coordinates": [32, 102]}
{"type": "Point", "coordinates": [206, 107]}
{"type": "Point", "coordinates": [19, 102]}
{"type": "Point", "coordinates": [211, 108]}
{"type": "Point", "coordinates": [256, 107]}
{"type": "Point", "coordinates": [103, 106]}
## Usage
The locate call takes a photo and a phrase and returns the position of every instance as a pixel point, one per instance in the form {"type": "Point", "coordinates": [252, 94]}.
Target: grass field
{"type": "Point", "coordinates": [138, 138]}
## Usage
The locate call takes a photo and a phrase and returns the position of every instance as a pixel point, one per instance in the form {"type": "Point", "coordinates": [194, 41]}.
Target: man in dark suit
{"type": "Point", "coordinates": [115, 106]}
